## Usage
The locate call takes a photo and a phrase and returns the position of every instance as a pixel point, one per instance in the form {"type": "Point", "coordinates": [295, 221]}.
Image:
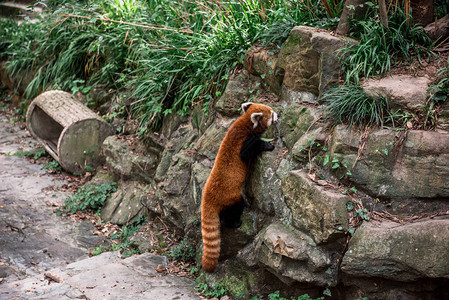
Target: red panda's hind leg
{"type": "Point", "coordinates": [230, 216]}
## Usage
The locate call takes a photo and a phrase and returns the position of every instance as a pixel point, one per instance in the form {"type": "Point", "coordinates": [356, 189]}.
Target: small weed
{"type": "Point", "coordinates": [184, 252]}
{"type": "Point", "coordinates": [276, 296]}
{"type": "Point", "coordinates": [362, 213]}
{"type": "Point", "coordinates": [193, 270]}
{"type": "Point", "coordinates": [100, 249]}
{"type": "Point", "coordinates": [89, 168]}
{"type": "Point", "coordinates": [125, 245]}
{"type": "Point", "coordinates": [341, 168]}
{"type": "Point", "coordinates": [34, 154]}
{"type": "Point", "coordinates": [399, 120]}
{"type": "Point", "coordinates": [53, 165]}
{"type": "Point", "coordinates": [359, 214]}
{"type": "Point", "coordinates": [440, 92]}
{"type": "Point", "coordinates": [216, 291]}
{"type": "Point", "coordinates": [78, 86]}
{"type": "Point", "coordinates": [92, 197]}
{"type": "Point", "coordinates": [357, 210]}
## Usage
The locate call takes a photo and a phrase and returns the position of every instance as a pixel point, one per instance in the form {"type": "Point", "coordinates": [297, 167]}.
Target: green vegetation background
{"type": "Point", "coordinates": [166, 56]}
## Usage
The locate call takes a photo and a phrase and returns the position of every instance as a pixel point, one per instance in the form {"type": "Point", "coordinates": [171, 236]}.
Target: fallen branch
{"type": "Point", "coordinates": [53, 277]}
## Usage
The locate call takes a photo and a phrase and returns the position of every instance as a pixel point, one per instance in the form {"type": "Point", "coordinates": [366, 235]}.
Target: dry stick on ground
{"type": "Point", "coordinates": [362, 141]}
{"type": "Point", "coordinates": [53, 277]}
{"type": "Point", "coordinates": [384, 215]}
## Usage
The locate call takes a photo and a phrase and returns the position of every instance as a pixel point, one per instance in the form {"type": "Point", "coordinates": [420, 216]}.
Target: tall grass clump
{"type": "Point", "coordinates": [380, 48]}
{"type": "Point", "coordinates": [18, 43]}
{"type": "Point", "coordinates": [164, 55]}
{"type": "Point", "coordinates": [349, 104]}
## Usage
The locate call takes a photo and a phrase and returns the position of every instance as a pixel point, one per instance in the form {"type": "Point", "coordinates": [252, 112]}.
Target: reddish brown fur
{"type": "Point", "coordinates": [224, 186]}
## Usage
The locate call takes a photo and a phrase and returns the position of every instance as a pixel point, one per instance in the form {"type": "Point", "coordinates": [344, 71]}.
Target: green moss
{"type": "Point", "coordinates": [295, 122]}
{"type": "Point", "coordinates": [236, 286]}
{"type": "Point", "coordinates": [293, 41]}
{"type": "Point", "coordinates": [247, 224]}
{"type": "Point", "coordinates": [239, 281]}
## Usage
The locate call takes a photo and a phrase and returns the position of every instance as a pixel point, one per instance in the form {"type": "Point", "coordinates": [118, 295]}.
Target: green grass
{"type": "Point", "coordinates": [216, 290]}
{"type": "Point", "coordinates": [166, 56]}
{"type": "Point", "coordinates": [34, 154]}
{"type": "Point", "coordinates": [183, 252]}
{"type": "Point", "coordinates": [440, 91]}
{"type": "Point", "coordinates": [91, 197]}
{"type": "Point", "coordinates": [348, 104]}
{"type": "Point", "coordinates": [125, 244]}
{"type": "Point", "coordinates": [381, 48]}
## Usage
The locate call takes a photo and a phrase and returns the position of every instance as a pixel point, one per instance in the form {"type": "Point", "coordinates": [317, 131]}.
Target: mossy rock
{"type": "Point", "coordinates": [296, 121]}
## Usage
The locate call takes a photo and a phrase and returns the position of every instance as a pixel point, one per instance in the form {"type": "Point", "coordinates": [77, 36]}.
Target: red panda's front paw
{"type": "Point", "coordinates": [269, 147]}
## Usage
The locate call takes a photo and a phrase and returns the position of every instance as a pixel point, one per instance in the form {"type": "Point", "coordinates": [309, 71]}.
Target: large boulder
{"type": "Point", "coordinates": [241, 88]}
{"type": "Point", "coordinates": [296, 120]}
{"type": "Point", "coordinates": [310, 59]}
{"type": "Point", "coordinates": [399, 252]}
{"type": "Point", "coordinates": [292, 256]}
{"type": "Point", "coordinates": [391, 167]}
{"type": "Point", "coordinates": [317, 210]}
{"type": "Point", "coordinates": [126, 203]}
{"type": "Point", "coordinates": [401, 91]}
{"type": "Point", "coordinates": [263, 184]}
{"type": "Point", "coordinates": [124, 164]}
{"type": "Point", "coordinates": [438, 29]}
{"type": "Point", "coordinates": [208, 144]}
{"type": "Point", "coordinates": [174, 193]}
{"type": "Point", "coordinates": [262, 61]}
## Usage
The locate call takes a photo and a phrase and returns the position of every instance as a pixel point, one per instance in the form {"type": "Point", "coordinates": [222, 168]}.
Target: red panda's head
{"type": "Point", "coordinates": [261, 116]}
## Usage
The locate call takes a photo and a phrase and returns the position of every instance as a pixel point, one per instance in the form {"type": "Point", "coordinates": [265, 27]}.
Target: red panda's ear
{"type": "Point", "coordinates": [246, 105]}
{"type": "Point", "coordinates": [255, 118]}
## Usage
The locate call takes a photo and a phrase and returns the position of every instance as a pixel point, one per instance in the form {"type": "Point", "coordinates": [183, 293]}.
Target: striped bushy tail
{"type": "Point", "coordinates": [210, 229]}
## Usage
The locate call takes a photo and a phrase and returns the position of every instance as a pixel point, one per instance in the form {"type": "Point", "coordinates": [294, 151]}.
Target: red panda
{"type": "Point", "coordinates": [222, 193]}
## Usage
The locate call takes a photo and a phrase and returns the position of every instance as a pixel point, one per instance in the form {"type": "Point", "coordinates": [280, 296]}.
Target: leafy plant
{"type": "Point", "coordinates": [440, 92]}
{"type": "Point", "coordinates": [399, 119]}
{"type": "Point", "coordinates": [357, 210]}
{"type": "Point", "coordinates": [348, 104]}
{"type": "Point", "coordinates": [380, 48]}
{"type": "Point", "coordinates": [276, 296]}
{"type": "Point", "coordinates": [167, 56]}
{"type": "Point", "coordinates": [100, 249]}
{"type": "Point", "coordinates": [52, 165]}
{"type": "Point", "coordinates": [183, 252]}
{"type": "Point", "coordinates": [125, 245]}
{"type": "Point", "coordinates": [91, 197]}
{"type": "Point", "coordinates": [217, 290]}
{"type": "Point", "coordinates": [34, 154]}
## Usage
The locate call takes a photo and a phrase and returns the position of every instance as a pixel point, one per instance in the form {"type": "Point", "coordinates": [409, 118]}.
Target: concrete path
{"type": "Point", "coordinates": [43, 256]}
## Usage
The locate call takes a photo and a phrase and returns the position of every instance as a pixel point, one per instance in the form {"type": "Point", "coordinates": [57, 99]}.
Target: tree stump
{"type": "Point", "coordinates": [70, 132]}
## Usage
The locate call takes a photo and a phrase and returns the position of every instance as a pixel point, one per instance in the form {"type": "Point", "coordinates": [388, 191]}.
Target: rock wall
{"type": "Point", "coordinates": [330, 209]}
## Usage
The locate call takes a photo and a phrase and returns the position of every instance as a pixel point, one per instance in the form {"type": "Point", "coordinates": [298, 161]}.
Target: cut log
{"type": "Point", "coordinates": [70, 132]}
